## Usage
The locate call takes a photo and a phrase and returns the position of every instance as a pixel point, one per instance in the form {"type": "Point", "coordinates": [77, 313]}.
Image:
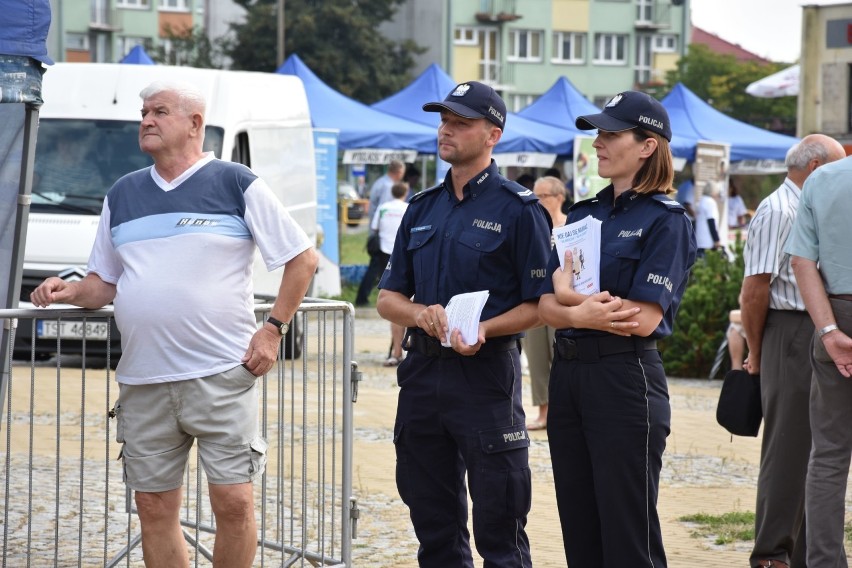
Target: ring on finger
{"type": "Point", "coordinates": [612, 324]}
{"type": "Point", "coordinates": [432, 324]}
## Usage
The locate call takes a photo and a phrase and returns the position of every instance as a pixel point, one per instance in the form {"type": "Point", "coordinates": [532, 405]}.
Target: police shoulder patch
{"type": "Point", "coordinates": [519, 191]}
{"type": "Point", "coordinates": [583, 203]}
{"type": "Point", "coordinates": [422, 194]}
{"type": "Point", "coordinates": [668, 203]}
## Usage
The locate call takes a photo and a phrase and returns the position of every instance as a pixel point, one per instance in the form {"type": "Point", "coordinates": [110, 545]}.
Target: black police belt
{"type": "Point", "coordinates": [590, 349]}
{"type": "Point", "coordinates": [431, 347]}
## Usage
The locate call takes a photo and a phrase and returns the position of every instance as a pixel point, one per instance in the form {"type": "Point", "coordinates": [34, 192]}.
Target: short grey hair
{"type": "Point", "coordinates": [800, 155]}
{"type": "Point", "coordinates": [553, 185]}
{"type": "Point", "coordinates": [189, 96]}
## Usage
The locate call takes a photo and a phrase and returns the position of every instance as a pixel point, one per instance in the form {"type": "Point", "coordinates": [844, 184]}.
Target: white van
{"type": "Point", "coordinates": [261, 120]}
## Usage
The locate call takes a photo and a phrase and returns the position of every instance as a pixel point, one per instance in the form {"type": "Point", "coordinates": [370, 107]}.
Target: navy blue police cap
{"type": "Point", "coordinates": [473, 100]}
{"type": "Point", "coordinates": [627, 110]}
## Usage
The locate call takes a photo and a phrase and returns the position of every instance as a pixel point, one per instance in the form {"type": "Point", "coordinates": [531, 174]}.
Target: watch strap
{"type": "Point", "coordinates": [280, 325]}
{"type": "Point", "coordinates": [827, 329]}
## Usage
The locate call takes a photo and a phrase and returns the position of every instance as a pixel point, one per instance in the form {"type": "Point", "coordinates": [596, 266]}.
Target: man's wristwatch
{"type": "Point", "coordinates": [281, 326]}
{"type": "Point", "coordinates": [827, 329]}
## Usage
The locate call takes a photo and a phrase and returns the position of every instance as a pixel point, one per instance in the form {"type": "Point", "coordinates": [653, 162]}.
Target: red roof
{"type": "Point", "coordinates": [724, 47]}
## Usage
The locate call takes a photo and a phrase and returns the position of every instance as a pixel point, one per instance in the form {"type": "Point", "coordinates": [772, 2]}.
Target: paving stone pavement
{"type": "Point", "coordinates": [705, 470]}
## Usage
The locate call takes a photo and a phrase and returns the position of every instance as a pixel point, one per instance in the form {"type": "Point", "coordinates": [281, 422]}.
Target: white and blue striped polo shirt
{"type": "Point", "coordinates": [181, 256]}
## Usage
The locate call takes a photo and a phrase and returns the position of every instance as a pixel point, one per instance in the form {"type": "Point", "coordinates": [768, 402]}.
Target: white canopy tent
{"type": "Point", "coordinates": [784, 83]}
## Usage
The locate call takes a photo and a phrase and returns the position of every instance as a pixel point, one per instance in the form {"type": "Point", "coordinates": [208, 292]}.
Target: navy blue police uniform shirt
{"type": "Point", "coordinates": [497, 238]}
{"type": "Point", "coordinates": [647, 249]}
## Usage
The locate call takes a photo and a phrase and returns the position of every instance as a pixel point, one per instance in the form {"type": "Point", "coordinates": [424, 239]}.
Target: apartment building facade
{"type": "Point", "coordinates": [521, 46]}
{"type": "Point", "coordinates": [106, 30]}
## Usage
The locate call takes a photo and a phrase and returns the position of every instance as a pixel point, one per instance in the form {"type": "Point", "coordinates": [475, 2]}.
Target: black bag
{"type": "Point", "coordinates": [739, 410]}
{"type": "Point", "coordinates": [373, 246]}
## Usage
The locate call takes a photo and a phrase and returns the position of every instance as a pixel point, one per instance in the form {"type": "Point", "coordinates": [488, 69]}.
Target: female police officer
{"type": "Point", "coordinates": [609, 409]}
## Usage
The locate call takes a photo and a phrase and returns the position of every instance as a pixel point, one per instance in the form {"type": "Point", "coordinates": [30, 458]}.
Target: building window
{"type": "Point", "coordinates": [524, 45]}
{"type": "Point", "coordinates": [569, 47]}
{"type": "Point", "coordinates": [77, 41]}
{"type": "Point", "coordinates": [645, 11]}
{"type": "Point", "coordinates": [518, 101]}
{"type": "Point", "coordinates": [465, 36]}
{"type": "Point", "coordinates": [642, 70]}
{"type": "Point", "coordinates": [131, 3]}
{"type": "Point", "coordinates": [486, 39]}
{"type": "Point", "coordinates": [611, 49]}
{"type": "Point", "coordinates": [174, 5]}
{"type": "Point", "coordinates": [665, 44]}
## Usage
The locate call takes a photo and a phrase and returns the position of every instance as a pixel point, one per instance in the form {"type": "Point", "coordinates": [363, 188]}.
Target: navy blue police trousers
{"type": "Point", "coordinates": [607, 424]}
{"type": "Point", "coordinates": [456, 417]}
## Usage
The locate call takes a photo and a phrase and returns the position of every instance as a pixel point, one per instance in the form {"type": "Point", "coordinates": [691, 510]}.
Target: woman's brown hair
{"type": "Point", "coordinates": [657, 173]}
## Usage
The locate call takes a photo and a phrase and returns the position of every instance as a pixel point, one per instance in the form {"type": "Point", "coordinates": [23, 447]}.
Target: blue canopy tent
{"type": "Point", "coordinates": [359, 125]}
{"type": "Point", "coordinates": [137, 56]}
{"type": "Point", "coordinates": [561, 104]}
{"type": "Point", "coordinates": [693, 119]}
{"type": "Point", "coordinates": [521, 135]}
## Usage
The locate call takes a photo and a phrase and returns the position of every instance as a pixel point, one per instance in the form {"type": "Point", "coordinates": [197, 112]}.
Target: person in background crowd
{"type": "Point", "coordinates": [460, 416]}
{"type": "Point", "coordinates": [822, 263]}
{"type": "Point", "coordinates": [538, 343]}
{"type": "Point", "coordinates": [609, 412]}
{"type": "Point", "coordinates": [412, 178]}
{"type": "Point", "coordinates": [25, 29]}
{"type": "Point", "coordinates": [361, 186]}
{"type": "Point", "coordinates": [737, 210]}
{"type": "Point", "coordinates": [707, 220]}
{"type": "Point", "coordinates": [779, 333]}
{"type": "Point", "coordinates": [526, 180]}
{"type": "Point", "coordinates": [386, 225]}
{"type": "Point", "coordinates": [380, 191]}
{"type": "Point", "coordinates": [686, 196]}
{"type": "Point", "coordinates": [189, 337]}
{"type": "Point", "coordinates": [552, 172]}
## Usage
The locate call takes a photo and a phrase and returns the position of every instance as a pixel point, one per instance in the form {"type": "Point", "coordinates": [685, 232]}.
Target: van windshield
{"type": "Point", "coordinates": [77, 161]}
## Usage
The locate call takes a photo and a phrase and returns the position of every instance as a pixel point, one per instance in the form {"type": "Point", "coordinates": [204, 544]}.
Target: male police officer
{"type": "Point", "coordinates": [460, 407]}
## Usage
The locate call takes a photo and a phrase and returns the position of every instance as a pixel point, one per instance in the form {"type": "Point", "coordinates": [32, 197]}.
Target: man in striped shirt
{"type": "Point", "coordinates": [778, 331]}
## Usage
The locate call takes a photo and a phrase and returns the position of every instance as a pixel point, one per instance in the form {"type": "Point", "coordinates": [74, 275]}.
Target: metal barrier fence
{"type": "Point", "coordinates": [63, 498]}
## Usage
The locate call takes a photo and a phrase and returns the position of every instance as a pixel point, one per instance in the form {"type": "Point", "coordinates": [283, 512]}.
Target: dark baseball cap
{"type": "Point", "coordinates": [630, 109]}
{"type": "Point", "coordinates": [473, 100]}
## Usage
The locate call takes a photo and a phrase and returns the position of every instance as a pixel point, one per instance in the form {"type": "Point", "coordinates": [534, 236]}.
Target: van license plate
{"type": "Point", "coordinates": [96, 331]}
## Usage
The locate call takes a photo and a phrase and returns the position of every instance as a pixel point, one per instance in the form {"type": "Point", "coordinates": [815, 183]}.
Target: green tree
{"type": "Point", "coordinates": [188, 46]}
{"type": "Point", "coordinates": [337, 39]}
{"type": "Point", "coordinates": [721, 80]}
{"type": "Point", "coordinates": [702, 319]}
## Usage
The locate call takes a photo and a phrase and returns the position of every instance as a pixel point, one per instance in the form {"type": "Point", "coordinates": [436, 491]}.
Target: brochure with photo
{"type": "Point", "coordinates": [583, 239]}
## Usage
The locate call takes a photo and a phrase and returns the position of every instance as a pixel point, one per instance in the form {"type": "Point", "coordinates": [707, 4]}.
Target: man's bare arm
{"type": "Point", "coordinates": [91, 292]}
{"type": "Point", "coordinates": [754, 306]}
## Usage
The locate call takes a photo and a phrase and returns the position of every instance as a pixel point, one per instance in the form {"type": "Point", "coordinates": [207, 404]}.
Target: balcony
{"type": "Point", "coordinates": [103, 18]}
{"type": "Point", "coordinates": [654, 15]}
{"type": "Point", "coordinates": [497, 12]}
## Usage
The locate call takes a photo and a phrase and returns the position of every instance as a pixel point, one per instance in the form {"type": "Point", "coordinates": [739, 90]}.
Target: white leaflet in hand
{"type": "Point", "coordinates": [463, 312]}
{"type": "Point", "coordinates": [583, 238]}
